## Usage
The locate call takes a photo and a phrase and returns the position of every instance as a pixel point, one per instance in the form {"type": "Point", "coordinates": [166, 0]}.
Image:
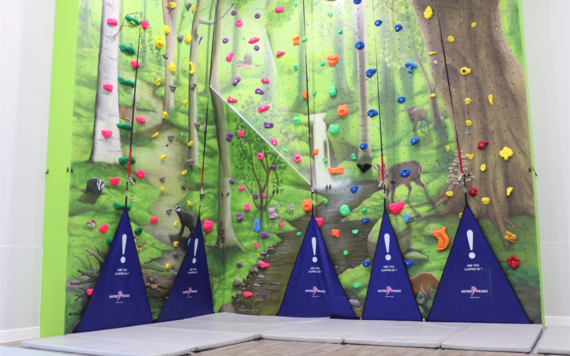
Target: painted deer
{"type": "Point", "coordinates": [417, 115]}
{"type": "Point", "coordinates": [392, 178]}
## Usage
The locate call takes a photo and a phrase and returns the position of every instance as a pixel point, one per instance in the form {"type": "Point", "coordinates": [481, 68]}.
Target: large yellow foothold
{"type": "Point", "coordinates": [193, 8]}
{"type": "Point", "coordinates": [483, 167]}
{"type": "Point", "coordinates": [491, 100]}
{"type": "Point", "coordinates": [465, 71]}
{"type": "Point", "coordinates": [164, 115]}
{"type": "Point", "coordinates": [470, 156]}
{"type": "Point", "coordinates": [509, 236]}
{"type": "Point", "coordinates": [185, 102]}
{"type": "Point", "coordinates": [191, 143]}
{"type": "Point", "coordinates": [155, 135]}
{"type": "Point", "coordinates": [449, 193]}
{"type": "Point", "coordinates": [189, 203]}
{"type": "Point", "coordinates": [473, 24]}
{"type": "Point", "coordinates": [432, 53]}
{"type": "Point", "coordinates": [432, 95]}
{"type": "Point", "coordinates": [187, 38]}
{"type": "Point", "coordinates": [509, 191]}
{"type": "Point", "coordinates": [467, 100]}
{"type": "Point", "coordinates": [428, 13]}
{"type": "Point", "coordinates": [163, 157]}
{"type": "Point", "coordinates": [175, 224]}
{"type": "Point", "coordinates": [172, 68]}
{"type": "Point", "coordinates": [450, 39]}
{"type": "Point", "coordinates": [172, 5]}
{"type": "Point", "coordinates": [162, 189]}
{"type": "Point", "coordinates": [166, 29]}
{"type": "Point", "coordinates": [158, 42]}
{"type": "Point", "coordinates": [447, 148]}
{"type": "Point", "coordinates": [184, 172]}
{"type": "Point", "coordinates": [157, 81]}
{"type": "Point", "coordinates": [175, 243]}
{"type": "Point", "coordinates": [506, 153]}
{"type": "Point", "coordinates": [485, 201]}
{"type": "Point", "coordinates": [192, 68]}
{"type": "Point", "coordinates": [468, 122]}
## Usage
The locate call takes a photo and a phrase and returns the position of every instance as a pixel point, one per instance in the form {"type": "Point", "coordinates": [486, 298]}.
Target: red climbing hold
{"type": "Point", "coordinates": [473, 191]}
{"type": "Point", "coordinates": [396, 208]}
{"type": "Point", "coordinates": [230, 56]}
{"type": "Point", "coordinates": [319, 221]}
{"type": "Point", "coordinates": [89, 292]}
{"type": "Point", "coordinates": [144, 24]}
{"type": "Point", "coordinates": [112, 22]}
{"type": "Point", "coordinates": [265, 80]}
{"type": "Point", "coordinates": [263, 108]}
{"type": "Point", "coordinates": [108, 87]}
{"type": "Point", "coordinates": [241, 133]}
{"type": "Point", "coordinates": [264, 264]}
{"type": "Point", "coordinates": [153, 220]}
{"type": "Point", "coordinates": [239, 23]}
{"type": "Point", "coordinates": [482, 144]}
{"type": "Point", "coordinates": [114, 181]}
{"type": "Point", "coordinates": [280, 223]}
{"type": "Point", "coordinates": [253, 40]}
{"type": "Point", "coordinates": [140, 120]}
{"type": "Point", "coordinates": [106, 133]}
{"type": "Point", "coordinates": [513, 261]}
{"type": "Point", "coordinates": [135, 64]}
{"type": "Point", "coordinates": [279, 9]}
{"type": "Point", "coordinates": [279, 53]}
{"type": "Point", "coordinates": [231, 100]}
{"type": "Point", "coordinates": [140, 174]}
{"type": "Point", "coordinates": [208, 225]}
{"type": "Point", "coordinates": [247, 294]}
{"type": "Point", "coordinates": [103, 228]}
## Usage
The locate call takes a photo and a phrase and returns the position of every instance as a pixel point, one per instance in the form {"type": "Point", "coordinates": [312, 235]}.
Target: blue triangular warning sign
{"type": "Point", "coordinates": [119, 298]}
{"type": "Point", "coordinates": [473, 287]}
{"type": "Point", "coordinates": [389, 295]}
{"type": "Point", "coordinates": [191, 293]}
{"type": "Point", "coordinates": [314, 289]}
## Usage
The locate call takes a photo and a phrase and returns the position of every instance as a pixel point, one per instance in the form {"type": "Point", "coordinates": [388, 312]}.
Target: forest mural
{"type": "Point", "coordinates": [199, 91]}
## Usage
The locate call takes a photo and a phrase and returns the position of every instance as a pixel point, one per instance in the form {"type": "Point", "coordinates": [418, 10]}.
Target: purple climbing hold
{"type": "Point", "coordinates": [264, 294]}
{"type": "Point", "coordinates": [268, 125]}
{"type": "Point", "coordinates": [264, 235]}
{"type": "Point", "coordinates": [256, 47]}
{"type": "Point", "coordinates": [234, 13]}
{"type": "Point", "coordinates": [237, 80]}
{"type": "Point", "coordinates": [232, 181]}
{"type": "Point", "coordinates": [231, 134]}
{"type": "Point", "coordinates": [273, 167]}
{"type": "Point", "coordinates": [229, 138]}
{"type": "Point", "coordinates": [257, 15]}
{"type": "Point", "coordinates": [240, 265]}
{"type": "Point", "coordinates": [225, 40]}
{"type": "Point", "coordinates": [259, 91]}
{"type": "Point", "coordinates": [255, 196]}
{"type": "Point", "coordinates": [239, 217]}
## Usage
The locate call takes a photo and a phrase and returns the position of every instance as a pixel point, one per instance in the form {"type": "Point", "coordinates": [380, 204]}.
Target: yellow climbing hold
{"type": "Point", "coordinates": [483, 167]}
{"type": "Point", "coordinates": [187, 38]}
{"type": "Point", "coordinates": [449, 193]}
{"type": "Point", "coordinates": [450, 39]}
{"type": "Point", "coordinates": [172, 68]}
{"type": "Point", "coordinates": [162, 189]}
{"type": "Point", "coordinates": [184, 172]}
{"type": "Point", "coordinates": [163, 157]}
{"type": "Point", "coordinates": [428, 13]}
{"type": "Point", "coordinates": [189, 203]}
{"type": "Point", "coordinates": [485, 201]}
{"type": "Point", "coordinates": [191, 143]}
{"type": "Point", "coordinates": [166, 29]}
{"type": "Point", "coordinates": [506, 153]}
{"type": "Point", "coordinates": [158, 42]}
{"type": "Point", "coordinates": [172, 5]}
{"type": "Point", "coordinates": [157, 81]}
{"type": "Point", "coordinates": [193, 8]}
{"type": "Point", "coordinates": [473, 24]}
{"type": "Point", "coordinates": [465, 71]}
{"type": "Point", "coordinates": [432, 95]}
{"type": "Point", "coordinates": [176, 224]}
{"type": "Point", "coordinates": [175, 243]}
{"type": "Point", "coordinates": [192, 68]}
{"type": "Point", "coordinates": [185, 102]}
{"type": "Point", "coordinates": [432, 53]}
{"type": "Point", "coordinates": [509, 191]}
{"type": "Point", "coordinates": [491, 100]}
{"type": "Point", "coordinates": [447, 148]}
{"type": "Point", "coordinates": [509, 236]}
{"type": "Point", "coordinates": [167, 266]}
{"type": "Point", "coordinates": [460, 215]}
{"type": "Point", "coordinates": [468, 122]}
{"type": "Point", "coordinates": [164, 115]}
{"type": "Point", "coordinates": [467, 100]}
{"type": "Point", "coordinates": [155, 135]}
{"type": "Point", "coordinates": [470, 156]}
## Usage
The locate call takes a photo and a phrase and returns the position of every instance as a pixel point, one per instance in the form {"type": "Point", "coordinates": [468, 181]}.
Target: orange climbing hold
{"type": "Point", "coordinates": [333, 59]}
{"type": "Point", "coordinates": [296, 40]}
{"type": "Point", "coordinates": [442, 238]}
{"type": "Point", "coordinates": [338, 170]}
{"type": "Point", "coordinates": [336, 233]}
{"type": "Point", "coordinates": [308, 204]}
{"type": "Point", "coordinates": [342, 110]}
{"type": "Point", "coordinates": [315, 152]}
{"type": "Point", "coordinates": [304, 93]}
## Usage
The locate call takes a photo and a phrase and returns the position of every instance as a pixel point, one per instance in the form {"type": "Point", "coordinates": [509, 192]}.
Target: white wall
{"type": "Point", "coordinates": [547, 41]}
{"type": "Point", "coordinates": [25, 75]}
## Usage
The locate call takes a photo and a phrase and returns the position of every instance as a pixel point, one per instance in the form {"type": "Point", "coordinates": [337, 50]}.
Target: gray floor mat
{"type": "Point", "coordinates": [17, 351]}
{"type": "Point", "coordinates": [495, 337]}
{"type": "Point", "coordinates": [555, 340]}
{"type": "Point", "coordinates": [405, 333]}
{"type": "Point", "coordinates": [332, 331]}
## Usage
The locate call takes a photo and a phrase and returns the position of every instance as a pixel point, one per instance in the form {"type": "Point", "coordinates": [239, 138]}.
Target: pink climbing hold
{"type": "Point", "coordinates": [153, 220]}
{"type": "Point", "coordinates": [319, 221]}
{"type": "Point", "coordinates": [247, 207]}
{"type": "Point", "coordinates": [297, 158]}
{"type": "Point", "coordinates": [247, 294]}
{"type": "Point", "coordinates": [264, 265]}
{"type": "Point", "coordinates": [279, 9]}
{"type": "Point", "coordinates": [280, 223]}
{"type": "Point", "coordinates": [135, 64]}
{"type": "Point", "coordinates": [108, 87]}
{"type": "Point", "coordinates": [239, 23]}
{"type": "Point", "coordinates": [279, 53]}
{"type": "Point", "coordinates": [241, 187]}
{"type": "Point", "coordinates": [230, 56]}
{"type": "Point", "coordinates": [140, 120]}
{"type": "Point", "coordinates": [106, 133]}
{"type": "Point", "coordinates": [140, 174]}
{"type": "Point", "coordinates": [103, 228]}
{"type": "Point", "coordinates": [396, 208]}
{"type": "Point", "coordinates": [263, 195]}
{"type": "Point", "coordinates": [255, 245]}
{"type": "Point", "coordinates": [144, 24]}
{"type": "Point", "coordinates": [208, 225]}
{"type": "Point", "coordinates": [89, 292]}
{"type": "Point", "coordinates": [241, 133]}
{"type": "Point", "coordinates": [265, 80]}
{"type": "Point", "coordinates": [260, 156]}
{"type": "Point", "coordinates": [262, 108]}
{"type": "Point", "coordinates": [231, 100]}
{"type": "Point", "coordinates": [114, 181]}
{"type": "Point", "coordinates": [273, 142]}
{"type": "Point", "coordinates": [253, 40]}
{"type": "Point", "coordinates": [112, 22]}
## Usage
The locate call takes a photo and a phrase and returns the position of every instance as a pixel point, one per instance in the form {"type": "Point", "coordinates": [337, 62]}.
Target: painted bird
{"type": "Point", "coordinates": [246, 64]}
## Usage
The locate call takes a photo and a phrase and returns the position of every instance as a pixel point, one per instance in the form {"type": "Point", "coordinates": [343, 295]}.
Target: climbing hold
{"type": "Point", "coordinates": [273, 141]}
{"type": "Point", "coordinates": [176, 224]}
{"type": "Point", "coordinates": [370, 72]}
{"type": "Point", "coordinates": [126, 127]}
{"type": "Point", "coordinates": [236, 80]}
{"type": "Point", "coordinates": [296, 121]}
{"type": "Point", "coordinates": [359, 45]}
{"type": "Point", "coordinates": [264, 264]}
{"type": "Point", "coordinates": [473, 191]}
{"type": "Point", "coordinates": [325, 160]}
{"type": "Point", "coordinates": [127, 49]}
{"type": "Point", "coordinates": [256, 225]}
{"type": "Point", "coordinates": [485, 201]}
{"type": "Point", "coordinates": [447, 148]}
{"type": "Point", "coordinates": [450, 39]}
{"type": "Point", "coordinates": [253, 40]}
{"type": "Point", "coordinates": [189, 202]}
{"type": "Point", "coordinates": [166, 30]}
{"type": "Point", "coordinates": [332, 59]}
{"type": "Point", "coordinates": [442, 238]}
{"type": "Point", "coordinates": [357, 2]}
{"type": "Point", "coordinates": [232, 181]}
{"type": "Point", "coordinates": [124, 160]}
{"type": "Point", "coordinates": [268, 125]}
{"type": "Point", "coordinates": [432, 53]}
{"type": "Point", "coordinates": [491, 99]}
{"type": "Point", "coordinates": [108, 87]}
{"type": "Point", "coordinates": [465, 70]}
{"type": "Point", "coordinates": [326, 201]}
{"type": "Point", "coordinates": [279, 53]}
{"type": "Point", "coordinates": [163, 157]}
{"type": "Point", "coordinates": [247, 207]}
{"type": "Point", "coordinates": [315, 152]}
{"type": "Point", "coordinates": [506, 153]}
{"type": "Point", "coordinates": [364, 167]}
{"type": "Point", "coordinates": [365, 220]}
{"type": "Point", "coordinates": [103, 228]}
{"type": "Point", "coordinates": [260, 156]}
{"type": "Point", "coordinates": [191, 143]}
{"type": "Point", "coordinates": [432, 95]}
{"type": "Point", "coordinates": [364, 210]}
{"type": "Point", "coordinates": [153, 220]}
{"type": "Point", "coordinates": [187, 38]}
{"type": "Point", "coordinates": [378, 23]}
{"type": "Point", "coordinates": [409, 263]}
{"type": "Point", "coordinates": [470, 156]}
{"type": "Point", "coordinates": [329, 14]}
{"type": "Point", "coordinates": [338, 170]}
{"type": "Point", "coordinates": [363, 146]}
{"type": "Point", "coordinates": [366, 263]}
{"type": "Point", "coordinates": [339, 32]}
{"type": "Point", "coordinates": [297, 158]}
{"type": "Point", "coordinates": [304, 39]}
{"type": "Point", "coordinates": [135, 64]}
{"type": "Point", "coordinates": [353, 156]}
{"type": "Point", "coordinates": [208, 225]}
{"type": "Point", "coordinates": [509, 191]}
{"type": "Point", "coordinates": [239, 23]}
{"type": "Point", "coordinates": [398, 28]}
{"type": "Point", "coordinates": [396, 208]}
{"type": "Point", "coordinates": [314, 92]}
{"type": "Point", "coordinates": [467, 101]}
{"type": "Point", "coordinates": [241, 133]}
{"type": "Point", "coordinates": [255, 245]}
{"type": "Point", "coordinates": [262, 108]}
{"type": "Point", "coordinates": [406, 218]}
{"type": "Point", "coordinates": [509, 236]}
{"type": "Point", "coordinates": [344, 210]}
{"type": "Point", "coordinates": [279, 9]}
{"type": "Point", "coordinates": [307, 204]}
{"type": "Point", "coordinates": [230, 56]}
{"type": "Point", "coordinates": [280, 223]}
{"type": "Point", "coordinates": [106, 133]}
{"type": "Point", "coordinates": [335, 233]}
{"type": "Point", "coordinates": [319, 221]}
{"type": "Point", "coordinates": [332, 90]}
{"type": "Point", "coordinates": [158, 42]}
{"type": "Point", "coordinates": [126, 82]}
{"type": "Point", "coordinates": [296, 67]}
{"type": "Point", "coordinates": [184, 172]}
{"type": "Point", "coordinates": [372, 113]}
{"type": "Point", "coordinates": [482, 144]}
{"type": "Point", "coordinates": [414, 140]}
{"type": "Point", "coordinates": [334, 129]}
{"type": "Point", "coordinates": [404, 173]}
{"type": "Point", "coordinates": [483, 167]}
{"type": "Point", "coordinates": [172, 5]}
{"type": "Point", "coordinates": [144, 24]}
{"type": "Point", "coordinates": [342, 110]}
{"type": "Point", "coordinates": [140, 120]}
{"type": "Point", "coordinates": [172, 68]}
{"type": "Point", "coordinates": [355, 285]}
{"type": "Point", "coordinates": [304, 94]}
{"type": "Point", "coordinates": [402, 99]}
{"type": "Point", "coordinates": [157, 81]}
{"type": "Point", "coordinates": [225, 40]}
{"type": "Point", "coordinates": [473, 24]}
{"type": "Point", "coordinates": [259, 91]}
{"type": "Point", "coordinates": [299, 233]}
{"type": "Point", "coordinates": [355, 232]}
{"type": "Point", "coordinates": [112, 22]}
{"type": "Point", "coordinates": [232, 100]}
{"type": "Point", "coordinates": [265, 80]}
{"type": "Point", "coordinates": [449, 193]}
{"type": "Point", "coordinates": [295, 4]}
{"type": "Point", "coordinates": [132, 21]}
{"type": "Point", "coordinates": [411, 66]}
{"type": "Point", "coordinates": [162, 189]}
{"type": "Point", "coordinates": [428, 13]}
{"type": "Point", "coordinates": [138, 231]}
{"type": "Point", "coordinates": [295, 40]}
{"type": "Point", "coordinates": [513, 261]}
{"type": "Point", "coordinates": [114, 181]}
{"type": "Point", "coordinates": [354, 189]}
{"type": "Point", "coordinates": [155, 135]}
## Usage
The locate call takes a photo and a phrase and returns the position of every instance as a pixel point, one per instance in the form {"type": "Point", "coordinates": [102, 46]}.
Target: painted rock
{"type": "Point", "coordinates": [262, 108]}
{"type": "Point", "coordinates": [106, 133]}
{"type": "Point", "coordinates": [208, 225]}
{"type": "Point", "coordinates": [365, 220]}
{"type": "Point", "coordinates": [253, 40]}
{"type": "Point", "coordinates": [153, 220]}
{"type": "Point", "coordinates": [404, 173]}
{"type": "Point", "coordinates": [108, 87]}
{"type": "Point", "coordinates": [232, 100]}
{"type": "Point", "coordinates": [396, 208]}
{"type": "Point", "coordinates": [239, 23]}
{"type": "Point", "coordinates": [247, 207]}
{"type": "Point", "coordinates": [140, 174]}
{"type": "Point", "coordinates": [114, 181]}
{"type": "Point", "coordinates": [268, 125]}
{"type": "Point", "coordinates": [140, 120]}
{"type": "Point", "coordinates": [414, 140]}
{"type": "Point", "coordinates": [370, 72]}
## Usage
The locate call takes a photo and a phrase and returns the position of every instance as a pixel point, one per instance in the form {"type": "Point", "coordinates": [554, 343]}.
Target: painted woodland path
{"type": "Point", "coordinates": [282, 256]}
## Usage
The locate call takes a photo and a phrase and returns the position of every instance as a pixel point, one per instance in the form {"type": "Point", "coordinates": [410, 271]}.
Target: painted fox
{"type": "Point", "coordinates": [424, 283]}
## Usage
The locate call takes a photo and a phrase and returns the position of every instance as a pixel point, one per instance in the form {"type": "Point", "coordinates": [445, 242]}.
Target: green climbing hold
{"type": "Point", "coordinates": [138, 231]}
{"type": "Point", "coordinates": [322, 64]}
{"type": "Point", "coordinates": [285, 150]}
{"type": "Point", "coordinates": [132, 21]}
{"type": "Point", "coordinates": [340, 32]}
{"type": "Point", "coordinates": [299, 233]}
{"type": "Point", "coordinates": [295, 4]}
{"type": "Point", "coordinates": [297, 121]}
{"type": "Point", "coordinates": [332, 90]}
{"type": "Point", "coordinates": [364, 210]}
{"type": "Point", "coordinates": [325, 160]}
{"type": "Point", "coordinates": [314, 92]}
{"type": "Point", "coordinates": [353, 157]}
{"type": "Point", "coordinates": [127, 127]}
{"type": "Point", "coordinates": [334, 129]}
{"type": "Point", "coordinates": [326, 201]}
{"type": "Point", "coordinates": [128, 49]}
{"type": "Point", "coordinates": [118, 206]}
{"type": "Point", "coordinates": [345, 252]}
{"type": "Point", "coordinates": [126, 82]}
{"type": "Point", "coordinates": [330, 14]}
{"type": "Point", "coordinates": [109, 240]}
{"type": "Point", "coordinates": [356, 285]}
{"type": "Point", "coordinates": [355, 232]}
{"type": "Point", "coordinates": [304, 39]}
{"type": "Point", "coordinates": [123, 160]}
{"type": "Point", "coordinates": [296, 67]}
{"type": "Point", "coordinates": [344, 210]}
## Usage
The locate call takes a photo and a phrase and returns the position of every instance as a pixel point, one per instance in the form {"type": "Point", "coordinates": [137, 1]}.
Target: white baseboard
{"type": "Point", "coordinates": [19, 334]}
{"type": "Point", "coordinates": [557, 320]}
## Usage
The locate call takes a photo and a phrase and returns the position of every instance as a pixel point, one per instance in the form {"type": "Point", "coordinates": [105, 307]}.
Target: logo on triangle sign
{"type": "Point", "coordinates": [473, 287]}
{"type": "Point", "coordinates": [314, 289]}
{"type": "Point", "coordinates": [119, 298]}
{"type": "Point", "coordinates": [389, 295]}
{"type": "Point", "coordinates": [191, 294]}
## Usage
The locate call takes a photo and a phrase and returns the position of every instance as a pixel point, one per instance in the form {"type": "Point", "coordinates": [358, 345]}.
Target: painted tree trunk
{"type": "Point", "coordinates": [208, 51]}
{"type": "Point", "coordinates": [107, 103]}
{"type": "Point", "coordinates": [495, 71]}
{"type": "Point", "coordinates": [362, 64]}
{"type": "Point", "coordinates": [86, 24]}
{"type": "Point", "coordinates": [225, 228]}
{"type": "Point", "coordinates": [170, 16]}
{"type": "Point", "coordinates": [340, 72]}
{"type": "Point", "coordinates": [143, 55]}
{"type": "Point", "coordinates": [437, 118]}
{"type": "Point", "coordinates": [193, 79]}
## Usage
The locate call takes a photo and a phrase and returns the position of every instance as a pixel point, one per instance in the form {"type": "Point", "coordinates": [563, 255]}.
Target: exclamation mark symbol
{"type": "Point", "coordinates": [195, 249]}
{"type": "Point", "coordinates": [387, 243]}
{"type": "Point", "coordinates": [470, 240]}
{"type": "Point", "coordinates": [123, 259]}
{"type": "Point", "coordinates": [314, 241]}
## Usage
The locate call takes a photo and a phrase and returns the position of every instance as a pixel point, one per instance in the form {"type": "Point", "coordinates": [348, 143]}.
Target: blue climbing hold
{"type": "Point", "coordinates": [404, 173]}
{"type": "Point", "coordinates": [359, 45]}
{"type": "Point", "coordinates": [256, 225]}
{"type": "Point", "coordinates": [398, 28]}
{"type": "Point", "coordinates": [366, 263]}
{"type": "Point", "coordinates": [401, 99]}
{"type": "Point", "coordinates": [363, 146]}
{"type": "Point", "coordinates": [370, 72]}
{"type": "Point", "coordinates": [406, 218]}
{"type": "Point", "coordinates": [409, 263]}
{"type": "Point", "coordinates": [414, 140]}
{"type": "Point", "coordinates": [372, 113]}
{"type": "Point", "coordinates": [354, 189]}
{"type": "Point", "coordinates": [365, 220]}
{"type": "Point", "coordinates": [378, 23]}
{"type": "Point", "coordinates": [356, 2]}
{"type": "Point", "coordinates": [411, 66]}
